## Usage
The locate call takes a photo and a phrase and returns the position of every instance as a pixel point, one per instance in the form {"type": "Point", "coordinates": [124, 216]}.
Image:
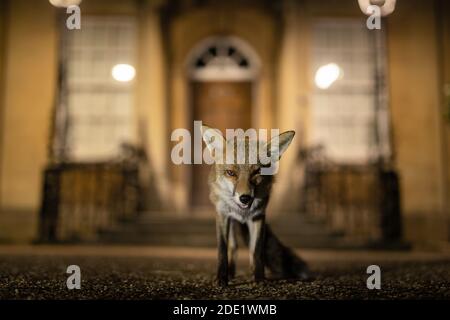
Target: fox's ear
{"type": "Point", "coordinates": [278, 145]}
{"type": "Point", "coordinates": [213, 139]}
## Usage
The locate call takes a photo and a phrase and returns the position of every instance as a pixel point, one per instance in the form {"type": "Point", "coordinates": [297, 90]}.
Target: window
{"type": "Point", "coordinates": [349, 91]}
{"type": "Point", "coordinates": [98, 102]}
{"type": "Point", "coordinates": [223, 58]}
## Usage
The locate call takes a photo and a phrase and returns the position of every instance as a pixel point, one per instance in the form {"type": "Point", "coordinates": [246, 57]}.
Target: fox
{"type": "Point", "coordinates": [240, 195]}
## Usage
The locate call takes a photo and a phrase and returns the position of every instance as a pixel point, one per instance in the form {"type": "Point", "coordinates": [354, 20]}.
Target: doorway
{"type": "Point", "coordinates": [223, 72]}
{"type": "Point", "coordinates": [222, 105]}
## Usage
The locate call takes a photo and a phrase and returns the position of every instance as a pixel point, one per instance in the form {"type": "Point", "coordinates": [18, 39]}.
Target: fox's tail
{"type": "Point", "coordinates": [280, 259]}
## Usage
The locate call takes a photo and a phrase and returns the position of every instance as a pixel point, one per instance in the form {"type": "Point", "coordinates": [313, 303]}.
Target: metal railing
{"type": "Point", "coordinates": [360, 202]}
{"type": "Point", "coordinates": [81, 199]}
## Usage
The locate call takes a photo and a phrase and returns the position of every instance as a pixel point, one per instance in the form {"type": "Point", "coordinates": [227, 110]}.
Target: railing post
{"type": "Point", "coordinates": [390, 209]}
{"type": "Point", "coordinates": [49, 210]}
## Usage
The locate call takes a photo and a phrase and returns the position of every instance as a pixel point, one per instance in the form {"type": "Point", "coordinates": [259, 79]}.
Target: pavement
{"type": "Point", "coordinates": [143, 272]}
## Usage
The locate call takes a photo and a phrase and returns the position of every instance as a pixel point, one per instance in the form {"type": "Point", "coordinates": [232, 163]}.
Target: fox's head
{"type": "Point", "coordinates": [241, 185]}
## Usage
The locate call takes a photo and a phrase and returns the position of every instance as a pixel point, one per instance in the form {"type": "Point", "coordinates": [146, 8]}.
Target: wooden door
{"type": "Point", "coordinates": [221, 105]}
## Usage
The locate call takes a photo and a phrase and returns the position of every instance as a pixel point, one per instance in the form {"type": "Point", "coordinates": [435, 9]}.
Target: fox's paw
{"type": "Point", "coordinates": [221, 282]}
{"type": "Point", "coordinates": [260, 282]}
{"type": "Point", "coordinates": [259, 278]}
{"type": "Point", "coordinates": [306, 275]}
{"type": "Point", "coordinates": [231, 271]}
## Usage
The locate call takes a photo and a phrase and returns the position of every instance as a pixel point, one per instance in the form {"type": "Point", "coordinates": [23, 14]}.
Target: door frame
{"type": "Point", "coordinates": [254, 80]}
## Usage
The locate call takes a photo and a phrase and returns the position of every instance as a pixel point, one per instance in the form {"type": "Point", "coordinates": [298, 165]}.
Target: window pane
{"type": "Point", "coordinates": [344, 113]}
{"type": "Point", "coordinates": [99, 107]}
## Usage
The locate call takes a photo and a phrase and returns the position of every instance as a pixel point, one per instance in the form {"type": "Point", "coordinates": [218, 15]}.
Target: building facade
{"type": "Point", "coordinates": [231, 64]}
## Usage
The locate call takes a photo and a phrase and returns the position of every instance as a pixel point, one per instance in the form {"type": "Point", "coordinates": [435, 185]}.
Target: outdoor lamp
{"type": "Point", "coordinates": [386, 6]}
{"type": "Point", "coordinates": [64, 3]}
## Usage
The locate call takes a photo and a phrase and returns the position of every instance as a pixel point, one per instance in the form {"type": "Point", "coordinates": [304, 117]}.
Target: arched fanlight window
{"type": "Point", "coordinates": [223, 58]}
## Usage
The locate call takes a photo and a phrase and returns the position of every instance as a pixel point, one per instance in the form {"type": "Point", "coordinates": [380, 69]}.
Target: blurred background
{"type": "Point", "coordinates": [86, 117]}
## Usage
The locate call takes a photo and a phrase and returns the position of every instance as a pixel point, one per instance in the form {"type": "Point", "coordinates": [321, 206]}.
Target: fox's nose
{"type": "Point", "coordinates": [245, 199]}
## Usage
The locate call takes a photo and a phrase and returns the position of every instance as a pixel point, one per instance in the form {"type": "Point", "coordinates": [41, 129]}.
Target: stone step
{"type": "Point", "coordinates": [288, 227]}
{"type": "Point", "coordinates": [206, 240]}
{"type": "Point", "coordinates": [161, 229]}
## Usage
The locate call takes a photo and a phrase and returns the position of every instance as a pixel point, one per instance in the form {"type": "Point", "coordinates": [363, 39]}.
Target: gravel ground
{"type": "Point", "coordinates": [107, 277]}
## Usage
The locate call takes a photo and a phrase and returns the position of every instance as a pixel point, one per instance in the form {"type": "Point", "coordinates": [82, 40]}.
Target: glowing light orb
{"type": "Point", "coordinates": [123, 72]}
{"type": "Point", "coordinates": [326, 75]}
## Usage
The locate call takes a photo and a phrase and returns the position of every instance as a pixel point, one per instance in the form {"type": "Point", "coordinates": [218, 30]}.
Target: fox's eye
{"type": "Point", "coordinates": [230, 173]}
{"type": "Point", "coordinates": [257, 180]}
{"type": "Point", "coordinates": [256, 172]}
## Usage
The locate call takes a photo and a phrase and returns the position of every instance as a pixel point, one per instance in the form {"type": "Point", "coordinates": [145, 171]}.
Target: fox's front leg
{"type": "Point", "coordinates": [257, 255]}
{"type": "Point", "coordinates": [222, 230]}
{"type": "Point", "coordinates": [232, 250]}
